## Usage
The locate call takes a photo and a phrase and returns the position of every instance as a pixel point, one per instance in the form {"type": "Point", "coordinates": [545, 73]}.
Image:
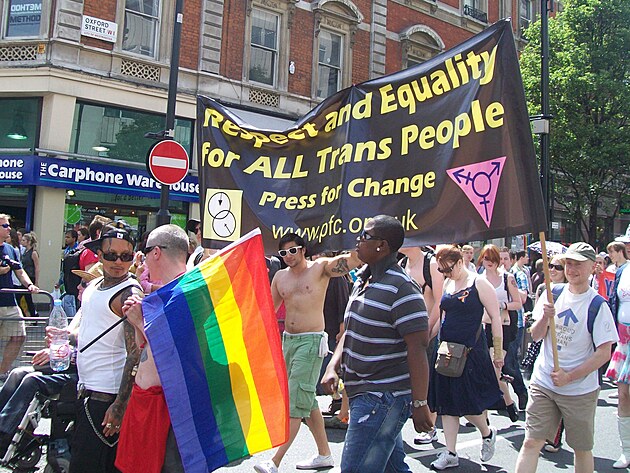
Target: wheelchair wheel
{"type": "Point", "coordinates": [28, 461]}
{"type": "Point", "coordinates": [63, 466]}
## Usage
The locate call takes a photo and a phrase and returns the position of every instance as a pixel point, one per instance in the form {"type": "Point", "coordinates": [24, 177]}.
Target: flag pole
{"type": "Point", "coordinates": [105, 332]}
{"type": "Point", "coordinates": [552, 325]}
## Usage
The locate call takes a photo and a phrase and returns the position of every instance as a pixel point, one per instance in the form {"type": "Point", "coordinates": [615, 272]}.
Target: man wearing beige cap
{"type": "Point", "coordinates": [585, 332]}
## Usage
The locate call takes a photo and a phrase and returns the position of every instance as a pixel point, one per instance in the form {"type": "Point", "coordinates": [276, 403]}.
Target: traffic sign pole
{"type": "Point", "coordinates": [163, 215]}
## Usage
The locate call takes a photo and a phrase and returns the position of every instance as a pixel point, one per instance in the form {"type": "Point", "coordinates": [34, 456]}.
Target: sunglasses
{"type": "Point", "coordinates": [125, 257]}
{"type": "Point", "coordinates": [446, 270]}
{"type": "Point", "coordinates": [84, 284]}
{"type": "Point", "coordinates": [5, 225]}
{"type": "Point", "coordinates": [197, 230]}
{"type": "Point", "coordinates": [557, 267]}
{"type": "Point", "coordinates": [293, 250]}
{"type": "Point", "coordinates": [365, 236]}
{"type": "Point", "coordinates": [149, 249]}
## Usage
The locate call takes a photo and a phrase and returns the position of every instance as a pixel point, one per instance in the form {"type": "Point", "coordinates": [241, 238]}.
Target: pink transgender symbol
{"type": "Point", "coordinates": [480, 182]}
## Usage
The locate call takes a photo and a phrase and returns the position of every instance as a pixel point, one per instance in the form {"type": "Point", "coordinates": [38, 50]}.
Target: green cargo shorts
{"type": "Point", "coordinates": [303, 362]}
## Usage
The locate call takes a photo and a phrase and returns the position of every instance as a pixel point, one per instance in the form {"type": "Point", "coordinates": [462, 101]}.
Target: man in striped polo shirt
{"type": "Point", "coordinates": [382, 354]}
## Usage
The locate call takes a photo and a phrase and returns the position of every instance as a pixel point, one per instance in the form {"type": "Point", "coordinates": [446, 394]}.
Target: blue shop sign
{"type": "Point", "coordinates": [80, 175]}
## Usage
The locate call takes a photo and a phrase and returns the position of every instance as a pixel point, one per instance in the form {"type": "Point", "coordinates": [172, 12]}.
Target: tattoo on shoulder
{"type": "Point", "coordinates": [341, 267]}
{"type": "Point", "coordinates": [128, 292]}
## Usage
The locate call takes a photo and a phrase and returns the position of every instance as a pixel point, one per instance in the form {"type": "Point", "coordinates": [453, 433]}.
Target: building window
{"type": "Point", "coordinates": [141, 29]}
{"type": "Point", "coordinates": [19, 123]}
{"type": "Point", "coordinates": [525, 14]}
{"type": "Point", "coordinates": [419, 44]}
{"type": "Point", "coordinates": [24, 18]}
{"type": "Point", "coordinates": [263, 62]}
{"type": "Point", "coordinates": [329, 66]}
{"type": "Point", "coordinates": [477, 9]}
{"type": "Point", "coordinates": [336, 24]}
{"type": "Point", "coordinates": [118, 133]}
{"type": "Point", "coordinates": [138, 212]}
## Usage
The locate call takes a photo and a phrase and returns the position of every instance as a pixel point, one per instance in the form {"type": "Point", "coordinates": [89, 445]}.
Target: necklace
{"type": "Point", "coordinates": [112, 282]}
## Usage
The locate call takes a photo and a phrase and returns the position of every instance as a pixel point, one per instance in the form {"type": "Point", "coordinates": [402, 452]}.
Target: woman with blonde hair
{"type": "Point", "coordinates": [509, 299]}
{"type": "Point", "coordinates": [465, 298]}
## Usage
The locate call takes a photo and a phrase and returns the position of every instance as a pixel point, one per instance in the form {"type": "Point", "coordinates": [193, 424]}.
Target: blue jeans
{"type": "Point", "coordinates": [512, 365]}
{"type": "Point", "coordinates": [373, 441]}
{"type": "Point", "coordinates": [20, 389]}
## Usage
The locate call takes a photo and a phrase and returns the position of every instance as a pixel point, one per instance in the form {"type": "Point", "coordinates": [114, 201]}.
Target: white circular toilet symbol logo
{"type": "Point", "coordinates": [224, 222]}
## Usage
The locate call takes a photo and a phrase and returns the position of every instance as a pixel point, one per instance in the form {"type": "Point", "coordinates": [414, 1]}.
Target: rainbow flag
{"type": "Point", "coordinates": [216, 344]}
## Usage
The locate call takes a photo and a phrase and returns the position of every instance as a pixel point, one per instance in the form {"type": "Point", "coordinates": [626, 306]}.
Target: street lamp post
{"type": "Point", "coordinates": [544, 102]}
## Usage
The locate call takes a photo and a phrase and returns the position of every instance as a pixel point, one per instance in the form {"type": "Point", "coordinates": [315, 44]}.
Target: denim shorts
{"type": "Point", "coordinates": [301, 356]}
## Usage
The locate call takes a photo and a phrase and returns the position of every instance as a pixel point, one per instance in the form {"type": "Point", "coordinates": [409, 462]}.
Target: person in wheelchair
{"type": "Point", "coordinates": [25, 382]}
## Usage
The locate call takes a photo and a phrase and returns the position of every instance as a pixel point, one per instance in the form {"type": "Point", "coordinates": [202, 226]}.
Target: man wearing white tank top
{"type": "Point", "coordinates": [106, 367]}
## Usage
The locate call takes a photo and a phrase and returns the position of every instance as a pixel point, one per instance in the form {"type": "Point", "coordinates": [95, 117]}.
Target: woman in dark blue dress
{"type": "Point", "coordinates": [463, 302]}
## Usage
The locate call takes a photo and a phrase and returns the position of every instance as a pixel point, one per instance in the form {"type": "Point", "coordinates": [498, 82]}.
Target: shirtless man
{"type": "Point", "coordinates": [156, 450]}
{"type": "Point", "coordinates": [302, 287]}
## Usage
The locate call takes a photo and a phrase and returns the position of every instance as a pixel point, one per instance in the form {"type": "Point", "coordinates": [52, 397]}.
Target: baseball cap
{"type": "Point", "coordinates": [118, 233]}
{"type": "Point", "coordinates": [191, 225]}
{"type": "Point", "coordinates": [580, 252]}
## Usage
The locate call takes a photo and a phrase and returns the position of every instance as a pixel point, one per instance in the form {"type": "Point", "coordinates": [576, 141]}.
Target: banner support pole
{"type": "Point", "coordinates": [552, 325]}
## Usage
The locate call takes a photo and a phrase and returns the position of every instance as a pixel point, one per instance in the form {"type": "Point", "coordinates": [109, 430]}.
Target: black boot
{"type": "Point", "coordinates": [512, 412]}
{"type": "Point", "coordinates": [522, 400]}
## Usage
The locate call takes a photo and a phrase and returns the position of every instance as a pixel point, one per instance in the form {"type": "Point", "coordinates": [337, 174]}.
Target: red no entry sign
{"type": "Point", "coordinates": [167, 162]}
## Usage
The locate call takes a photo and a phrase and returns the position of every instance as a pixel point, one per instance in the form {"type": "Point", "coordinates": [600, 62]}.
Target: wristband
{"type": "Point", "coordinates": [497, 344]}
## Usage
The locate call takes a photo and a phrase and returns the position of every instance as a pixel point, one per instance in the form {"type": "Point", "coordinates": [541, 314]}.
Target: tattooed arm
{"type": "Point", "coordinates": [114, 415]}
{"type": "Point", "coordinates": [341, 265]}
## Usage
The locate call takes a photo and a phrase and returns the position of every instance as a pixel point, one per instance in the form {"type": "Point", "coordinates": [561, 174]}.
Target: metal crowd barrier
{"type": "Point", "coordinates": [35, 326]}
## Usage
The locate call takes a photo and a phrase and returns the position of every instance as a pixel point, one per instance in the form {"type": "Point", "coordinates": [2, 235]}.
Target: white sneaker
{"type": "Point", "coordinates": [266, 467]}
{"type": "Point", "coordinates": [316, 462]}
{"type": "Point", "coordinates": [487, 446]}
{"type": "Point", "coordinates": [623, 462]}
{"type": "Point", "coordinates": [445, 460]}
{"type": "Point", "coordinates": [424, 438]}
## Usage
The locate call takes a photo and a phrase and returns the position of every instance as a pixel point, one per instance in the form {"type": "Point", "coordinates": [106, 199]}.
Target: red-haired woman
{"type": "Point", "coordinates": [509, 299]}
{"type": "Point", "coordinates": [465, 298]}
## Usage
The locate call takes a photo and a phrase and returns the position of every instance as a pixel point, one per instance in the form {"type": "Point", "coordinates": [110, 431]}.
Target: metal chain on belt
{"type": "Point", "coordinates": [96, 431]}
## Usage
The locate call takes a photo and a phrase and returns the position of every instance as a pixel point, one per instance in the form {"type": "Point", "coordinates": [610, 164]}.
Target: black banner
{"type": "Point", "coordinates": [445, 146]}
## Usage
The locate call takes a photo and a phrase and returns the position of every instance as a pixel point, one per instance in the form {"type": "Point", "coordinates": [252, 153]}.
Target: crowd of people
{"type": "Point", "coordinates": [114, 372]}
{"type": "Point", "coordinates": [405, 332]}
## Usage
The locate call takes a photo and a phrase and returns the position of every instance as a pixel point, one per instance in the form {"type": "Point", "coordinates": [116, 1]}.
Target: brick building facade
{"type": "Point", "coordinates": [88, 98]}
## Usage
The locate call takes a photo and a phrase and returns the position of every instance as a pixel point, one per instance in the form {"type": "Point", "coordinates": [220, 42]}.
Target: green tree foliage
{"type": "Point", "coordinates": [589, 88]}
